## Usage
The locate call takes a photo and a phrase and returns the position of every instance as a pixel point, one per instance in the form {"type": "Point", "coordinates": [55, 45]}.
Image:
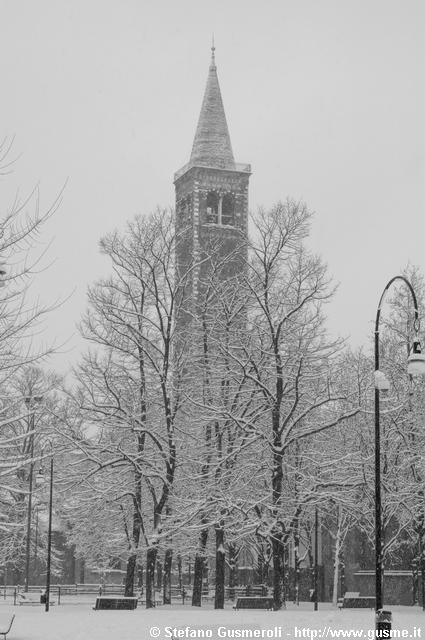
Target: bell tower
{"type": "Point", "coordinates": [211, 196]}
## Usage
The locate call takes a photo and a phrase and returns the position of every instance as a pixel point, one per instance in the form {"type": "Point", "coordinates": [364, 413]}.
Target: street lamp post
{"type": "Point", "coordinates": [49, 537]}
{"type": "Point", "coordinates": [28, 537]}
{"type": "Point", "coordinates": [34, 569]}
{"type": "Point", "coordinates": [416, 366]}
{"type": "Point", "coordinates": [41, 481]}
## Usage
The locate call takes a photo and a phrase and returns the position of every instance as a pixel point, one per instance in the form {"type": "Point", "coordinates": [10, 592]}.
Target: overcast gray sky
{"type": "Point", "coordinates": [325, 98]}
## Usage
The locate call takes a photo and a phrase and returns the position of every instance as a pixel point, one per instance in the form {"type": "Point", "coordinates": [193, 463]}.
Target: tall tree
{"type": "Point", "coordinates": [292, 362]}
{"type": "Point", "coordinates": [21, 222]}
{"type": "Point", "coordinates": [129, 384]}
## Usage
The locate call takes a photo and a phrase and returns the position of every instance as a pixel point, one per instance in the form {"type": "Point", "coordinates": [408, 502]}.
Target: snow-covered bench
{"type": "Point", "coordinates": [31, 598]}
{"type": "Point", "coordinates": [254, 602]}
{"type": "Point", "coordinates": [6, 625]}
{"type": "Point", "coordinates": [353, 600]}
{"type": "Point", "coordinates": [115, 602]}
{"type": "Point", "coordinates": [231, 593]}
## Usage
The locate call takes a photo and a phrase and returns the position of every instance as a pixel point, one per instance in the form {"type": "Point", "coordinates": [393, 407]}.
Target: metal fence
{"type": "Point", "coordinates": [80, 593]}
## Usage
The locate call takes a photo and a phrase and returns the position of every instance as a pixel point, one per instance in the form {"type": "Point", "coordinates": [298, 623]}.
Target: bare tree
{"type": "Point", "coordinates": [129, 384]}
{"type": "Point", "coordinates": [21, 223]}
{"type": "Point", "coordinates": [290, 359]}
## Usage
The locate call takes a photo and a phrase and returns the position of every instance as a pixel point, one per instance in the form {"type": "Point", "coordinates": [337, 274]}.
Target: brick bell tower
{"type": "Point", "coordinates": [211, 197]}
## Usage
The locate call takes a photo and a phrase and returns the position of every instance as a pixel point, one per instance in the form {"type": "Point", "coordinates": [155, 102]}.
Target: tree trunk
{"type": "Point", "coordinates": [259, 569]}
{"type": "Point", "coordinates": [285, 573]}
{"type": "Point", "coordinates": [159, 575]}
{"type": "Point", "coordinates": [150, 577]}
{"type": "Point", "coordinates": [82, 570]}
{"type": "Point", "coordinates": [277, 532]}
{"type": "Point", "coordinates": [278, 570]}
{"type": "Point", "coordinates": [342, 573]}
{"type": "Point", "coordinates": [129, 576]}
{"type": "Point", "coordinates": [297, 567]}
{"type": "Point", "coordinates": [232, 570]}
{"type": "Point", "coordinates": [72, 576]}
{"type": "Point", "coordinates": [179, 569]}
{"type": "Point", "coordinates": [198, 571]}
{"type": "Point", "coordinates": [415, 583]}
{"type": "Point", "coordinates": [420, 530]}
{"type": "Point", "coordinates": [311, 565]}
{"type": "Point", "coordinates": [140, 577]}
{"type": "Point", "coordinates": [136, 528]}
{"type": "Point", "coordinates": [422, 565]}
{"type": "Point", "coordinates": [166, 583]}
{"type": "Point", "coordinates": [336, 559]}
{"type": "Point", "coordinates": [220, 563]}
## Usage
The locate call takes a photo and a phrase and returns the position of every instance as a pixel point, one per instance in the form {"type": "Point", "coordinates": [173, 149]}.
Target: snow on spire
{"type": "Point", "coordinates": [212, 146]}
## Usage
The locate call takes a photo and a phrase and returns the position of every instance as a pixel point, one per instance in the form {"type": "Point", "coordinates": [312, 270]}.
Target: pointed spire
{"type": "Point", "coordinates": [212, 146]}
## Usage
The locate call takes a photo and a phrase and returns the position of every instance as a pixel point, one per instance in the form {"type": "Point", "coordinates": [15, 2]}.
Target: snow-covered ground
{"type": "Point", "coordinates": [80, 622]}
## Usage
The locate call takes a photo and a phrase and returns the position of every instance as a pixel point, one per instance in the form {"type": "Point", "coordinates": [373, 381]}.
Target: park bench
{"type": "Point", "coordinates": [90, 589]}
{"type": "Point", "coordinates": [179, 593]}
{"type": "Point", "coordinates": [29, 598]}
{"type": "Point", "coordinates": [254, 602]}
{"type": "Point", "coordinates": [156, 598]}
{"type": "Point", "coordinates": [6, 625]}
{"type": "Point", "coordinates": [353, 600]}
{"type": "Point", "coordinates": [249, 590]}
{"type": "Point", "coordinates": [207, 596]}
{"type": "Point", "coordinates": [111, 589]}
{"type": "Point", "coordinates": [115, 602]}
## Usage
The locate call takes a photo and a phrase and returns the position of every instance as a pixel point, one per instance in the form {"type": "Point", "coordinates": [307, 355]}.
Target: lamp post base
{"type": "Point", "coordinates": [383, 622]}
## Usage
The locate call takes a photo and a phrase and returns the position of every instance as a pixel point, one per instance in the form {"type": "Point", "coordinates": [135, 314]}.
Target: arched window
{"type": "Point", "coordinates": [212, 208]}
{"type": "Point", "coordinates": [228, 209]}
